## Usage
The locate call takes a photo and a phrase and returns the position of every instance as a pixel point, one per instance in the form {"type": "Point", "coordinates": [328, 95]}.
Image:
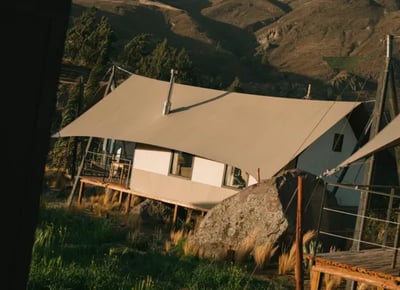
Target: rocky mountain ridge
{"type": "Point", "coordinates": [274, 47]}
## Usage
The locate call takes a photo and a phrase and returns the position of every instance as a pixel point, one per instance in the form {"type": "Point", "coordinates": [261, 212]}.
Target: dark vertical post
{"type": "Point", "coordinates": [167, 103]}
{"type": "Point", "coordinates": [80, 195]}
{"type": "Point", "coordinates": [78, 174]}
{"type": "Point", "coordinates": [375, 127]}
{"type": "Point", "coordinates": [299, 237]}
{"type": "Point", "coordinates": [128, 203]}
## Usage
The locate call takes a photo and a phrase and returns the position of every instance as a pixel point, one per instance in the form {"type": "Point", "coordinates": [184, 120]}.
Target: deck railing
{"type": "Point", "coordinates": [380, 225]}
{"type": "Point", "coordinates": [110, 167]}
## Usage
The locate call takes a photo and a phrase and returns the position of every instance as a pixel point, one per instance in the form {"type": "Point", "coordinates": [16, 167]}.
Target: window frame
{"type": "Point", "coordinates": [225, 178]}
{"type": "Point", "coordinates": [175, 169]}
{"type": "Point", "coordinates": [338, 140]}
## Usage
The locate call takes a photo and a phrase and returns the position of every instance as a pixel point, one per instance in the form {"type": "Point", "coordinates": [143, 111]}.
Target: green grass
{"type": "Point", "coordinates": [348, 63]}
{"type": "Point", "coordinates": [77, 251]}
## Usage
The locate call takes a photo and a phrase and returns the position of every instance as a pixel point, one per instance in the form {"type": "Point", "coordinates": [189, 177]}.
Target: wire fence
{"type": "Point", "coordinates": [380, 223]}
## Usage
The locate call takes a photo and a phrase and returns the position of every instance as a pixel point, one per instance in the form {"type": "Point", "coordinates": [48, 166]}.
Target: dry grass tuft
{"type": "Point", "coordinates": [332, 281]}
{"type": "Point", "coordinates": [201, 252]}
{"type": "Point", "coordinates": [262, 254]}
{"type": "Point", "coordinates": [244, 249]}
{"type": "Point", "coordinates": [190, 249]}
{"type": "Point", "coordinates": [167, 245]}
{"type": "Point", "coordinates": [287, 261]}
{"type": "Point", "coordinates": [176, 236]}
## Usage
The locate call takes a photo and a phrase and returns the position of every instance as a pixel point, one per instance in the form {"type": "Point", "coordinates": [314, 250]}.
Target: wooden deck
{"type": "Point", "coordinates": [110, 184]}
{"type": "Point", "coordinates": [372, 267]}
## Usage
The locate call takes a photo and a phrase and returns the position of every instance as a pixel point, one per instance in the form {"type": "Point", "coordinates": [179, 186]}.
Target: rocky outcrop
{"type": "Point", "coordinates": [265, 212]}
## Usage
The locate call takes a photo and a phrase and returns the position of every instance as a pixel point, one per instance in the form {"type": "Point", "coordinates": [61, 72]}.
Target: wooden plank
{"type": "Point", "coordinates": [175, 214]}
{"type": "Point", "coordinates": [352, 274]}
{"type": "Point", "coordinates": [99, 182]}
{"type": "Point", "coordinates": [315, 281]}
{"type": "Point", "coordinates": [373, 260]}
{"type": "Point", "coordinates": [80, 196]}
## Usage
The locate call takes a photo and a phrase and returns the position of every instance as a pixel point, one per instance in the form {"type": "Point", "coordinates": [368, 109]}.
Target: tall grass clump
{"type": "Point", "coordinates": [263, 253]}
{"type": "Point", "coordinates": [244, 249]}
{"type": "Point", "coordinates": [70, 251]}
{"type": "Point", "coordinates": [332, 281]}
{"type": "Point", "coordinates": [287, 260]}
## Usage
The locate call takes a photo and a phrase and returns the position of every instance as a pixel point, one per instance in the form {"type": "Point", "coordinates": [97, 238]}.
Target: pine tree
{"type": "Point", "coordinates": [135, 51]}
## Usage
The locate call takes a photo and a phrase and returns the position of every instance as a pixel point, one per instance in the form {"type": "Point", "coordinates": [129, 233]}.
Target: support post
{"type": "Point", "coordinates": [78, 175]}
{"type": "Point", "coordinates": [175, 214]}
{"type": "Point", "coordinates": [120, 197]}
{"type": "Point", "coordinates": [80, 193]}
{"type": "Point", "coordinates": [128, 203]}
{"type": "Point", "coordinates": [111, 83]}
{"type": "Point", "coordinates": [167, 103]}
{"type": "Point", "coordinates": [299, 237]}
{"type": "Point", "coordinates": [375, 128]}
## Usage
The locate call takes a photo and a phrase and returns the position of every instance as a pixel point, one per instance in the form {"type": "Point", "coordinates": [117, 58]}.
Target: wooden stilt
{"type": "Point", "coordinates": [188, 216]}
{"type": "Point", "coordinates": [120, 197]}
{"type": "Point", "coordinates": [80, 193]}
{"type": "Point", "coordinates": [315, 281]}
{"type": "Point", "coordinates": [299, 236]}
{"type": "Point", "coordinates": [128, 203]}
{"type": "Point", "coordinates": [175, 214]}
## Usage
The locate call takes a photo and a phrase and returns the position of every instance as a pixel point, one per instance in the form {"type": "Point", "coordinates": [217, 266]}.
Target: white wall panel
{"type": "Point", "coordinates": [208, 171]}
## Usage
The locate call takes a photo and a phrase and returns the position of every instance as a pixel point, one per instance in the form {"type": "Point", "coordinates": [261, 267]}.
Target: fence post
{"type": "Point", "coordinates": [299, 237]}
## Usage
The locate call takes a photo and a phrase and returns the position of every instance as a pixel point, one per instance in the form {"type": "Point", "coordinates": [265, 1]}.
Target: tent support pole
{"type": "Point", "coordinates": [375, 128]}
{"type": "Point", "coordinates": [78, 175]}
{"type": "Point", "coordinates": [110, 85]}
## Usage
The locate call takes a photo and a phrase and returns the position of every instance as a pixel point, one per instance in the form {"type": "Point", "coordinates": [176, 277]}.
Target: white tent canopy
{"type": "Point", "coordinates": [247, 131]}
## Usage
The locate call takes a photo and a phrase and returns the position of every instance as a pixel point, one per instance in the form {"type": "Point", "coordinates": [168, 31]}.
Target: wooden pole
{"type": "Point", "coordinates": [80, 196]}
{"type": "Point", "coordinates": [175, 214]}
{"type": "Point", "coordinates": [128, 203]}
{"type": "Point", "coordinates": [258, 175]}
{"type": "Point", "coordinates": [299, 237]}
{"type": "Point", "coordinates": [375, 128]}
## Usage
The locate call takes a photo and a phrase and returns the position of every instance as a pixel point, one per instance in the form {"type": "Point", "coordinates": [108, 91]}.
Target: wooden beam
{"type": "Point", "coordinates": [80, 193]}
{"type": "Point", "coordinates": [175, 214]}
{"type": "Point", "coordinates": [375, 128]}
{"type": "Point", "coordinates": [299, 236]}
{"type": "Point", "coordinates": [189, 212]}
{"type": "Point", "coordinates": [315, 280]}
{"type": "Point", "coordinates": [345, 273]}
{"type": "Point", "coordinates": [120, 197]}
{"type": "Point", "coordinates": [128, 203]}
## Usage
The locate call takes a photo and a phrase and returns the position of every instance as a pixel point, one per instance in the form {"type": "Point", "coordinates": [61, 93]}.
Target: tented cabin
{"type": "Point", "coordinates": [194, 146]}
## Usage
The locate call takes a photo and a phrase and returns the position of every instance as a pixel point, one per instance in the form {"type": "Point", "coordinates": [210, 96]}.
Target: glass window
{"type": "Point", "coordinates": [337, 142]}
{"type": "Point", "coordinates": [235, 177]}
{"type": "Point", "coordinates": [182, 164]}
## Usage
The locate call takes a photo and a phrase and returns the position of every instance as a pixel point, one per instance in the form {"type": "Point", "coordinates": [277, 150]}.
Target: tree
{"type": "Point", "coordinates": [235, 86]}
{"type": "Point", "coordinates": [162, 59]}
{"type": "Point", "coordinates": [88, 43]}
{"type": "Point", "coordinates": [89, 39]}
{"type": "Point", "coordinates": [135, 51]}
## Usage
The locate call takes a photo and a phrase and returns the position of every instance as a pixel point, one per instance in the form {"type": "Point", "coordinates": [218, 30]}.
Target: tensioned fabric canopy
{"type": "Point", "coordinates": [389, 136]}
{"type": "Point", "coordinates": [248, 131]}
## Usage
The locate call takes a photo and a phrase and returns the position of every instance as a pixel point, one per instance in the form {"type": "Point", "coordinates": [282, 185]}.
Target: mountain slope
{"type": "Point", "coordinates": [274, 47]}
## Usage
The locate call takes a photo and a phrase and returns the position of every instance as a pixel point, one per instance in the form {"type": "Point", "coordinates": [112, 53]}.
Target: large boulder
{"type": "Point", "coordinates": [265, 211]}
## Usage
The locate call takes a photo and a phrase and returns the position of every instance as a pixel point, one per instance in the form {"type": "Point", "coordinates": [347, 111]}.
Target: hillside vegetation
{"type": "Point", "coordinates": [273, 47]}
